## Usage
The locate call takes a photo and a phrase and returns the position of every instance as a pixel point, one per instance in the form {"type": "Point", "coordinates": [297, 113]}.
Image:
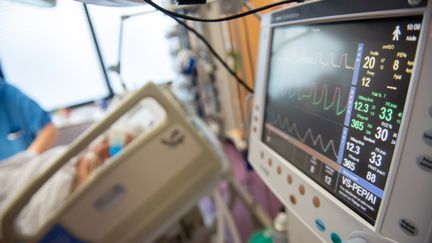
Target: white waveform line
{"type": "Point", "coordinates": [318, 139]}
{"type": "Point", "coordinates": [345, 58]}
{"type": "Point", "coordinates": [319, 59]}
{"type": "Point", "coordinates": [324, 63]}
{"type": "Point", "coordinates": [343, 61]}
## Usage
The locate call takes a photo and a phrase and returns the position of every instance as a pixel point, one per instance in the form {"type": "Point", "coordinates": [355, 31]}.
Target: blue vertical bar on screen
{"type": "Point", "coordinates": [349, 106]}
{"type": "Point", "coordinates": [342, 145]}
{"type": "Point", "coordinates": [357, 64]}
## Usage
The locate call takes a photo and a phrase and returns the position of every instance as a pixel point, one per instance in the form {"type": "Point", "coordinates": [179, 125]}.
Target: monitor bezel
{"type": "Point", "coordinates": [385, 14]}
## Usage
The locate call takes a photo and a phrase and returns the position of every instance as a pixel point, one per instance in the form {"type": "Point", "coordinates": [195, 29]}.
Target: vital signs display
{"type": "Point", "coordinates": [335, 100]}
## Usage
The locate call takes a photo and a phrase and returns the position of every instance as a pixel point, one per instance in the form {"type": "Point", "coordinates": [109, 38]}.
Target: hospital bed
{"type": "Point", "coordinates": [137, 194]}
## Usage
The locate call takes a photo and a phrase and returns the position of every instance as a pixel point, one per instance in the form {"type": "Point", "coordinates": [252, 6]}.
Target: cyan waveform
{"type": "Point", "coordinates": [321, 98]}
{"type": "Point", "coordinates": [284, 124]}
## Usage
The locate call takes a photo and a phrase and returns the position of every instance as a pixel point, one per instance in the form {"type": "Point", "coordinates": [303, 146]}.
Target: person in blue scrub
{"type": "Point", "coordinates": [24, 125]}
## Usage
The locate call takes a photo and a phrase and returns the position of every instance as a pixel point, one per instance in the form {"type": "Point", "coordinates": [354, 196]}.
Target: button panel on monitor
{"type": "Point", "coordinates": [335, 238]}
{"type": "Point", "coordinates": [320, 225]}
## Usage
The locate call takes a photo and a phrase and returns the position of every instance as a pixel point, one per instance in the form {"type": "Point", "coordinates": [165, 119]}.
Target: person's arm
{"type": "Point", "coordinates": [33, 119]}
{"type": "Point", "coordinates": [44, 140]}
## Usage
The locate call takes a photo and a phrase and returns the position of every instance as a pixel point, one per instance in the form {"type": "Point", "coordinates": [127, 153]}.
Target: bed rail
{"type": "Point", "coordinates": [9, 230]}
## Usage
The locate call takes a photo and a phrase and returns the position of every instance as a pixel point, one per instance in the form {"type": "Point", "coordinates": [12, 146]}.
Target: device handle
{"type": "Point", "coordinates": [19, 201]}
{"type": "Point", "coordinates": [355, 240]}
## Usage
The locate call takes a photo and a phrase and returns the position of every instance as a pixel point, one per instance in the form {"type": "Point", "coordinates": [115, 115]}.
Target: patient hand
{"type": "Point", "coordinates": [90, 161]}
{"type": "Point", "coordinates": [94, 158]}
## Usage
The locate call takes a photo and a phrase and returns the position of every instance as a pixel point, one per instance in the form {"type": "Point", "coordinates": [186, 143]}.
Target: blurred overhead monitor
{"type": "Point", "coordinates": [39, 3]}
{"type": "Point", "coordinates": [142, 46]}
{"type": "Point", "coordinates": [50, 54]}
{"type": "Point", "coordinates": [114, 3]}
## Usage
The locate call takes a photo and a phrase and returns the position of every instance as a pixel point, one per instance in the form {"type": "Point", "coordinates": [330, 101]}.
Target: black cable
{"type": "Point", "coordinates": [235, 16]}
{"type": "Point", "coordinates": [242, 82]}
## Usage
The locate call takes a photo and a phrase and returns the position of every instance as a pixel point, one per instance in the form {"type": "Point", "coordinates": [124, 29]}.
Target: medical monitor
{"type": "Point", "coordinates": [335, 95]}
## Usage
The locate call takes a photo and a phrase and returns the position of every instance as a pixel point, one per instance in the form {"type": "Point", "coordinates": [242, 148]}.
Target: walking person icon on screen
{"type": "Point", "coordinates": [396, 33]}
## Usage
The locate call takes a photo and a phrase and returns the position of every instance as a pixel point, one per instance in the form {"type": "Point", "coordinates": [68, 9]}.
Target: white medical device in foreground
{"type": "Point", "coordinates": [342, 123]}
{"type": "Point", "coordinates": [135, 196]}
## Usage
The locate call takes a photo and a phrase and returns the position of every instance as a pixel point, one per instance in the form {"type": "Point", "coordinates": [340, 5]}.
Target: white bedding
{"type": "Point", "coordinates": [18, 170]}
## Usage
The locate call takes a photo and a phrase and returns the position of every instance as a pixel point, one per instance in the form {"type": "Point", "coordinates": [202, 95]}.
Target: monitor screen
{"type": "Point", "coordinates": [50, 54]}
{"type": "Point", "coordinates": [335, 100]}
